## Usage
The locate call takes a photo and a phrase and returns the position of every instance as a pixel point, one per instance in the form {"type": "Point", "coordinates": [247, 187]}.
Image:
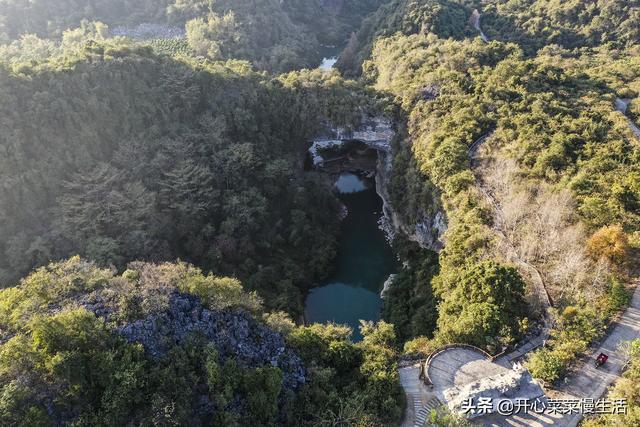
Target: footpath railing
{"type": "Point", "coordinates": [424, 364]}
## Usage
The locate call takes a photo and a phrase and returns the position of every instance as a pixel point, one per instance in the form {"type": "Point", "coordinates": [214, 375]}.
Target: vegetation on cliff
{"type": "Point", "coordinates": [552, 188]}
{"type": "Point", "coordinates": [119, 154]}
{"type": "Point", "coordinates": [165, 344]}
{"type": "Point", "coordinates": [135, 154]}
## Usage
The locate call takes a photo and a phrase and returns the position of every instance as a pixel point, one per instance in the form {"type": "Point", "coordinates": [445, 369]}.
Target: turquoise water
{"type": "Point", "coordinates": [364, 261]}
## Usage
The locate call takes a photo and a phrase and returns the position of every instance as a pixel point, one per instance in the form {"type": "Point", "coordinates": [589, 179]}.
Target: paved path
{"type": "Point", "coordinates": [585, 381]}
{"type": "Point", "coordinates": [420, 400]}
{"type": "Point", "coordinates": [622, 105]}
{"type": "Point", "coordinates": [589, 382]}
{"type": "Point", "coordinates": [510, 358]}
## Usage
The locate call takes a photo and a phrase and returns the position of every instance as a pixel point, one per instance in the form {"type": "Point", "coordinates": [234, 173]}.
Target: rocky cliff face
{"type": "Point", "coordinates": [426, 232]}
{"type": "Point", "coordinates": [170, 317]}
{"type": "Point", "coordinates": [377, 134]}
{"type": "Point", "coordinates": [235, 335]}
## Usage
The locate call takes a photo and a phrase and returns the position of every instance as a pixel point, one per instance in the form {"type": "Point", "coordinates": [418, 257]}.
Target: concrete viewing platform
{"type": "Point", "coordinates": [457, 366]}
{"type": "Point", "coordinates": [456, 372]}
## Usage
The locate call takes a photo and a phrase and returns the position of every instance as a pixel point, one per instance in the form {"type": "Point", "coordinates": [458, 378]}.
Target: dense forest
{"type": "Point", "coordinates": [275, 35]}
{"type": "Point", "coordinates": [532, 24]}
{"type": "Point", "coordinates": [153, 190]}
{"type": "Point", "coordinates": [555, 146]}
{"type": "Point", "coordinates": [555, 143]}
{"type": "Point", "coordinates": [82, 363]}
{"type": "Point", "coordinates": [150, 158]}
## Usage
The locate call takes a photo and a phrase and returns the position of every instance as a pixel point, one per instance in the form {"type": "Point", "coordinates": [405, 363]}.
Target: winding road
{"type": "Point", "coordinates": [621, 106]}
{"type": "Point", "coordinates": [585, 381]}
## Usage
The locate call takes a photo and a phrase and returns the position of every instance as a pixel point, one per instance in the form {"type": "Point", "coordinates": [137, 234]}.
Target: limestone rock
{"type": "Point", "coordinates": [510, 385]}
{"type": "Point", "coordinates": [234, 333]}
{"type": "Point", "coordinates": [387, 284]}
{"type": "Point", "coordinates": [377, 134]}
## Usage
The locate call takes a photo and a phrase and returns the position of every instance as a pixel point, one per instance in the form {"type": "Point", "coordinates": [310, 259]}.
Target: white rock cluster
{"type": "Point", "coordinates": [322, 144]}
{"type": "Point", "coordinates": [387, 284]}
{"type": "Point", "coordinates": [511, 385]}
{"type": "Point", "coordinates": [376, 134]}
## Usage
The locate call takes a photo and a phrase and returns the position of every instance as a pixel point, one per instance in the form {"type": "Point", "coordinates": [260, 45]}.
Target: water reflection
{"type": "Point", "coordinates": [364, 261]}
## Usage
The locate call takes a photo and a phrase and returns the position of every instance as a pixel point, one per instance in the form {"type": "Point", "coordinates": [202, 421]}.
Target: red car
{"type": "Point", "coordinates": [601, 360]}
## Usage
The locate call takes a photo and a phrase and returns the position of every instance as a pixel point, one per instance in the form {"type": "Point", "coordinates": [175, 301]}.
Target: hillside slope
{"type": "Point", "coordinates": [164, 344]}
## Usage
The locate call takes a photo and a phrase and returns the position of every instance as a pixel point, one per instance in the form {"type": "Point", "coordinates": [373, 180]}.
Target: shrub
{"type": "Point", "coordinates": [609, 242]}
{"type": "Point", "coordinates": [546, 365]}
{"type": "Point", "coordinates": [619, 297]}
{"type": "Point", "coordinates": [220, 293]}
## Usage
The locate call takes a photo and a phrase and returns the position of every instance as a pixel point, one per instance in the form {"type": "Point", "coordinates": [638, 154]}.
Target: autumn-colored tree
{"type": "Point", "coordinates": [609, 242]}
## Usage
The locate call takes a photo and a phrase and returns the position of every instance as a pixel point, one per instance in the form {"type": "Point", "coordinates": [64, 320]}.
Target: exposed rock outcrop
{"type": "Point", "coordinates": [148, 31]}
{"type": "Point", "coordinates": [376, 134]}
{"type": "Point", "coordinates": [166, 317]}
{"type": "Point", "coordinates": [508, 386]}
{"type": "Point", "coordinates": [426, 232]}
{"type": "Point", "coordinates": [430, 92]}
{"type": "Point", "coordinates": [235, 334]}
{"type": "Point", "coordinates": [474, 20]}
{"type": "Point", "coordinates": [387, 284]}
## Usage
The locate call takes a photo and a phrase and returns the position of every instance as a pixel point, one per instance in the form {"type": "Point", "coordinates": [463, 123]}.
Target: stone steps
{"type": "Point", "coordinates": [422, 412]}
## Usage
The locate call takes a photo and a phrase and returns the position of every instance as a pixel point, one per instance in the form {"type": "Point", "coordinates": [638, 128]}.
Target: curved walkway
{"type": "Point", "coordinates": [450, 366]}
{"type": "Point", "coordinates": [585, 381]}
{"type": "Point", "coordinates": [621, 106]}
{"type": "Point", "coordinates": [457, 366]}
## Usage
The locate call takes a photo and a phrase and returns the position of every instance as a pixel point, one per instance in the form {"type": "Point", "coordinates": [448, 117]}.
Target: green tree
{"type": "Point", "coordinates": [485, 305]}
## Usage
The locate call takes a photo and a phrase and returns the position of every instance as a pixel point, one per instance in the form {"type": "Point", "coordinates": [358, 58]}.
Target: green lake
{"type": "Point", "coordinates": [364, 262]}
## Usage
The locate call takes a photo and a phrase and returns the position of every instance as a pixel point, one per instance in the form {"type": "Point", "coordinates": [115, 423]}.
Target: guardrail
{"type": "Point", "coordinates": [424, 364]}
